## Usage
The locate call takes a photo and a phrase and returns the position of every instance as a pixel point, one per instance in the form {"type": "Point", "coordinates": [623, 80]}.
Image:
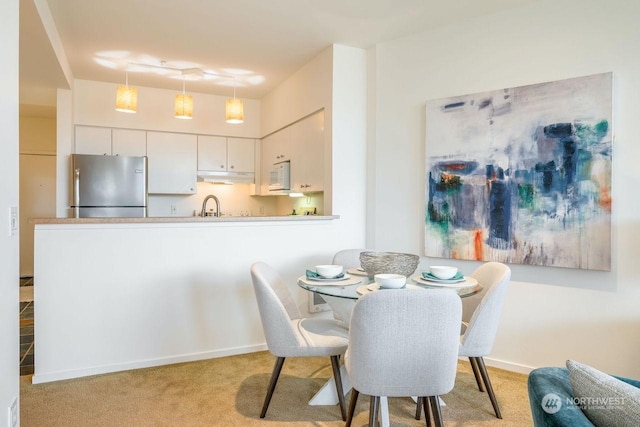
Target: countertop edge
{"type": "Point", "coordinates": [177, 220]}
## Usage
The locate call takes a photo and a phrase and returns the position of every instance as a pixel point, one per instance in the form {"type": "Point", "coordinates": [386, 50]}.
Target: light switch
{"type": "Point", "coordinates": [13, 221]}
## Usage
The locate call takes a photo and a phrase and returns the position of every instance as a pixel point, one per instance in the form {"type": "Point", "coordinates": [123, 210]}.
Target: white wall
{"type": "Point", "coordinates": [550, 314]}
{"type": "Point", "coordinates": [37, 180]}
{"type": "Point", "coordinates": [37, 200]}
{"type": "Point", "coordinates": [37, 135]}
{"type": "Point", "coordinates": [306, 91]}
{"type": "Point", "coordinates": [64, 148]}
{"type": "Point", "coordinates": [9, 279]}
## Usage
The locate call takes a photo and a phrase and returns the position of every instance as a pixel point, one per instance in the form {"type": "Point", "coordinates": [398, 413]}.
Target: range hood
{"type": "Point", "coordinates": [226, 177]}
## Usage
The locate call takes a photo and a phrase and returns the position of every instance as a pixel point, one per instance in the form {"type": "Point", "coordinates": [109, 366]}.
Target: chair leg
{"type": "Point", "coordinates": [374, 404]}
{"type": "Point", "coordinates": [487, 383]}
{"type": "Point", "coordinates": [435, 409]}
{"type": "Point", "coordinates": [272, 385]}
{"type": "Point", "coordinates": [418, 407]}
{"type": "Point", "coordinates": [352, 406]}
{"type": "Point", "coordinates": [476, 373]}
{"type": "Point", "coordinates": [427, 410]}
{"type": "Point", "coordinates": [335, 364]}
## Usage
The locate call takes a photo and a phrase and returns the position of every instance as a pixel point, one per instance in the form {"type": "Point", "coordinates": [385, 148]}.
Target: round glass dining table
{"type": "Point", "coordinates": [357, 285]}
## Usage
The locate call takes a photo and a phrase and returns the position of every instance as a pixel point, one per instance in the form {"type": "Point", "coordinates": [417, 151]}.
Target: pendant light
{"type": "Point", "coordinates": [127, 97]}
{"type": "Point", "coordinates": [184, 104]}
{"type": "Point", "coordinates": [235, 109]}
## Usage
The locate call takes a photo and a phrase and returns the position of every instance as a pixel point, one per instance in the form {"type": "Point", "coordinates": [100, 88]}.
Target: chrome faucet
{"type": "Point", "coordinates": [204, 206]}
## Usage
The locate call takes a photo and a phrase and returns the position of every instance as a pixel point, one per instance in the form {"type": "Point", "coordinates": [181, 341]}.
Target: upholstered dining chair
{"type": "Point", "coordinates": [288, 334]}
{"type": "Point", "coordinates": [480, 319]}
{"type": "Point", "coordinates": [389, 356]}
{"type": "Point", "coordinates": [349, 258]}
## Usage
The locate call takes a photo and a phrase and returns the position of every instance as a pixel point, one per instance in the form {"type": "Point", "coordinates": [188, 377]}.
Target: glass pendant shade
{"type": "Point", "coordinates": [184, 106]}
{"type": "Point", "coordinates": [235, 111]}
{"type": "Point", "coordinates": [127, 99]}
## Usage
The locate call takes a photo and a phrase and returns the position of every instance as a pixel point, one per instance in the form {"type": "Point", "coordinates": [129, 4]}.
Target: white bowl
{"type": "Point", "coordinates": [443, 272]}
{"type": "Point", "coordinates": [329, 271]}
{"type": "Point", "coordinates": [390, 281]}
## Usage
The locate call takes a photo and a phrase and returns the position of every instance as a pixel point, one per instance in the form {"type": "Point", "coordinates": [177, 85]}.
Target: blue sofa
{"type": "Point", "coordinates": [543, 381]}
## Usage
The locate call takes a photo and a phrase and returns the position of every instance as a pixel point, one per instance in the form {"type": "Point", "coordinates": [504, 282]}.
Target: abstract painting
{"type": "Point", "coordinates": [522, 175]}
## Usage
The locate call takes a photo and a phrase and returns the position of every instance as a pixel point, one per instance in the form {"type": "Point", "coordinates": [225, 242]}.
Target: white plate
{"type": "Point", "coordinates": [466, 283]}
{"type": "Point", "coordinates": [365, 289]}
{"type": "Point", "coordinates": [435, 279]}
{"type": "Point", "coordinates": [333, 279]}
{"type": "Point", "coordinates": [341, 283]}
{"type": "Point", "coordinates": [357, 272]}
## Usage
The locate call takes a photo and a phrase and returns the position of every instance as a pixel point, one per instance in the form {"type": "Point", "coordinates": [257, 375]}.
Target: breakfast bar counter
{"type": "Point", "coordinates": [118, 294]}
{"type": "Point", "coordinates": [178, 219]}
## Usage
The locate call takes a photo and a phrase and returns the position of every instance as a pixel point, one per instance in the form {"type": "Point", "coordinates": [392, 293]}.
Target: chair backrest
{"type": "Point", "coordinates": [482, 312]}
{"type": "Point", "coordinates": [277, 308]}
{"type": "Point", "coordinates": [349, 258]}
{"type": "Point", "coordinates": [404, 342]}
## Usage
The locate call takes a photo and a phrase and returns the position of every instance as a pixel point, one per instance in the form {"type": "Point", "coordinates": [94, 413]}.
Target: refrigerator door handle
{"type": "Point", "coordinates": [76, 191]}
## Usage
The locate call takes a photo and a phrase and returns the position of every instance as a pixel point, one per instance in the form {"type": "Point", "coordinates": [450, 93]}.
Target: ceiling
{"type": "Point", "coordinates": [260, 43]}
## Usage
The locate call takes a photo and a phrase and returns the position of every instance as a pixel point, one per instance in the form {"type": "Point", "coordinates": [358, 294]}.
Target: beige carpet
{"type": "Point", "coordinates": [229, 392]}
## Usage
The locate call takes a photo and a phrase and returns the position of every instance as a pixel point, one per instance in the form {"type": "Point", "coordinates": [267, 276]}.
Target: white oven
{"type": "Point", "coordinates": [279, 176]}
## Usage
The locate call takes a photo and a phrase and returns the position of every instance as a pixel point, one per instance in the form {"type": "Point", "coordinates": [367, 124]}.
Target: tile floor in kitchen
{"type": "Point", "coordinates": [26, 326]}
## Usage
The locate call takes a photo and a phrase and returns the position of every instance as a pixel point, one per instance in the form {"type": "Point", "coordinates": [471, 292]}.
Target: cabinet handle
{"type": "Point", "coordinates": [231, 166]}
{"type": "Point", "coordinates": [221, 166]}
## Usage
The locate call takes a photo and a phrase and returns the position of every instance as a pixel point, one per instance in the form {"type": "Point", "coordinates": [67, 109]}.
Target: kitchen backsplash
{"type": "Point", "coordinates": [235, 200]}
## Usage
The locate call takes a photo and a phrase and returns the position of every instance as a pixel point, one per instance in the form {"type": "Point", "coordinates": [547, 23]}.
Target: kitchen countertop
{"type": "Point", "coordinates": [178, 219]}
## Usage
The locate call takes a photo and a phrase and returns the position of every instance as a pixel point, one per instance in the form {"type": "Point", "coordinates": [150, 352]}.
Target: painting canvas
{"type": "Point", "coordinates": [522, 175]}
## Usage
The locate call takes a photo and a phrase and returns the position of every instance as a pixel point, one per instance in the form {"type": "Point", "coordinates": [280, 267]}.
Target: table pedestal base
{"type": "Point", "coordinates": [327, 395]}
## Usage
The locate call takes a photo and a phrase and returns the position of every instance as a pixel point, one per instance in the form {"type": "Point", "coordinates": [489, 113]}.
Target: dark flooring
{"type": "Point", "coordinates": [26, 332]}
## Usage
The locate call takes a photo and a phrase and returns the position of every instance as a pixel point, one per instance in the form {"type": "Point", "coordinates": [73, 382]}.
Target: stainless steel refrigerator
{"type": "Point", "coordinates": [109, 186]}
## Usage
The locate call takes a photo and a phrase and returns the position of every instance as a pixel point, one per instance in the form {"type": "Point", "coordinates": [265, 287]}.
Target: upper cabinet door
{"type": "Point", "coordinates": [277, 147]}
{"type": "Point", "coordinates": [212, 153]}
{"type": "Point", "coordinates": [128, 142]}
{"type": "Point", "coordinates": [240, 155]}
{"type": "Point", "coordinates": [307, 158]}
{"type": "Point", "coordinates": [93, 140]}
{"type": "Point", "coordinates": [173, 162]}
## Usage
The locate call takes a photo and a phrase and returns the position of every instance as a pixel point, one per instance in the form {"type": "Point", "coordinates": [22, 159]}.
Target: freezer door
{"type": "Point", "coordinates": [123, 212]}
{"type": "Point", "coordinates": [109, 181]}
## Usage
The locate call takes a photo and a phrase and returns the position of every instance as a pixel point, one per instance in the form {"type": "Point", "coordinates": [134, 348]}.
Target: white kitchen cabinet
{"type": "Point", "coordinates": [108, 141]}
{"type": "Point", "coordinates": [240, 155]}
{"type": "Point", "coordinates": [221, 154]}
{"type": "Point", "coordinates": [173, 162]}
{"type": "Point", "coordinates": [93, 140]}
{"type": "Point", "coordinates": [212, 153]}
{"type": "Point", "coordinates": [128, 142]}
{"type": "Point", "coordinates": [275, 148]}
{"type": "Point", "coordinates": [307, 154]}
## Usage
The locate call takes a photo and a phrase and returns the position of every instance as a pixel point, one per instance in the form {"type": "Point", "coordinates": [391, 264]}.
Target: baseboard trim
{"type": "Point", "coordinates": [508, 366]}
{"type": "Point", "coordinates": [39, 378]}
